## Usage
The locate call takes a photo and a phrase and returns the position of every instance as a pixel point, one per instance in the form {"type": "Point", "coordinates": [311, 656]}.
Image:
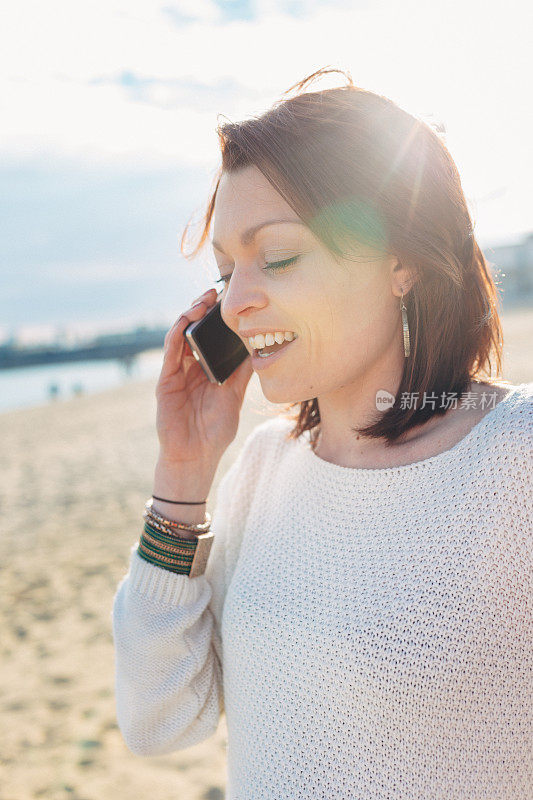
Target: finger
{"type": "Point", "coordinates": [175, 342]}
{"type": "Point", "coordinates": [209, 297]}
{"type": "Point", "coordinates": [175, 334]}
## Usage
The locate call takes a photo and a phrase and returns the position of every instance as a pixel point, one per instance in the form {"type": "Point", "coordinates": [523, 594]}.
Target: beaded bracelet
{"type": "Point", "coordinates": [161, 544]}
{"type": "Point", "coordinates": [166, 551]}
{"type": "Point", "coordinates": [201, 527]}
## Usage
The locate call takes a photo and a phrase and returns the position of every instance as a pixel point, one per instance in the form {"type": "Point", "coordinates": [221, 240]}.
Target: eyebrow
{"type": "Point", "coordinates": [248, 236]}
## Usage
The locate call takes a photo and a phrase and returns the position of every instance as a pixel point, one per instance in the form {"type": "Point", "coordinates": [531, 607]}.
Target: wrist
{"type": "Point", "coordinates": [183, 484]}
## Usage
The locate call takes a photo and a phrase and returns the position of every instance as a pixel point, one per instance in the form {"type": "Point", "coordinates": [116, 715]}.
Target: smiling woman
{"type": "Point", "coordinates": [389, 249]}
{"type": "Point", "coordinates": [365, 617]}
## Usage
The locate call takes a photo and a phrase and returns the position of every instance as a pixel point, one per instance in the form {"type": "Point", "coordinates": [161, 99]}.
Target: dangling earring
{"type": "Point", "coordinates": [406, 341]}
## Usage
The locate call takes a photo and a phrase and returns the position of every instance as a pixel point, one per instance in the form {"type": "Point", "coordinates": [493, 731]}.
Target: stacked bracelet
{"type": "Point", "coordinates": [161, 544]}
{"type": "Point", "coordinates": [166, 551]}
{"type": "Point", "coordinates": [201, 527]}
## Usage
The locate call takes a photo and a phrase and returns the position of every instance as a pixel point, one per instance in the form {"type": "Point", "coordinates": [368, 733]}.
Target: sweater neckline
{"type": "Point", "coordinates": [327, 468]}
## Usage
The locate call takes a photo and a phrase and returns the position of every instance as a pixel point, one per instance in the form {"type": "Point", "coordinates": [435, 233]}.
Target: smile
{"type": "Point", "coordinates": [262, 361]}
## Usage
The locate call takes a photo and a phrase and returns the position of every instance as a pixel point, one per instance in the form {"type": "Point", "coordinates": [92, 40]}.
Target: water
{"type": "Point", "coordinates": [28, 387]}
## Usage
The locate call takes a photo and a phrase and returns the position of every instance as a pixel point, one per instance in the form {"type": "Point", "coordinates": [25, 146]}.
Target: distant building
{"type": "Point", "coordinates": [512, 264]}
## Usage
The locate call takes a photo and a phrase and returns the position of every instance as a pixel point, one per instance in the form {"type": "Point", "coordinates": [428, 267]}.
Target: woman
{"type": "Point", "coordinates": [364, 615]}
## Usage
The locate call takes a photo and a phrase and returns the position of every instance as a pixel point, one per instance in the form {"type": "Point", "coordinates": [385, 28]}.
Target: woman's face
{"type": "Point", "coordinates": [344, 313]}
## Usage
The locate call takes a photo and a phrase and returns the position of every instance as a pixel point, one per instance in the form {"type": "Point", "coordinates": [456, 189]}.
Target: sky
{"type": "Point", "coordinates": [108, 139]}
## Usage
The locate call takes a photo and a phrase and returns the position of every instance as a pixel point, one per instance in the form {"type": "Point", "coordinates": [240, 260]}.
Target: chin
{"type": "Point", "coordinates": [280, 395]}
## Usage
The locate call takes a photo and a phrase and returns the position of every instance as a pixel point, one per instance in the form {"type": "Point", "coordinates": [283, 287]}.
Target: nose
{"type": "Point", "coordinates": [242, 297]}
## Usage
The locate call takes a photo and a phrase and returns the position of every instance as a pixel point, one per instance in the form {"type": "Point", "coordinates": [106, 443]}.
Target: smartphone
{"type": "Point", "coordinates": [218, 350]}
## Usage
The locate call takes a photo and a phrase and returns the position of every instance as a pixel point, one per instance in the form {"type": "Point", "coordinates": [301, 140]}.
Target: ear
{"type": "Point", "coordinates": [402, 278]}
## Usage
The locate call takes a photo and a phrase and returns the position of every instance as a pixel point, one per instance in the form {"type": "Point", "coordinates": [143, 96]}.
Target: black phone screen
{"type": "Point", "coordinates": [218, 350]}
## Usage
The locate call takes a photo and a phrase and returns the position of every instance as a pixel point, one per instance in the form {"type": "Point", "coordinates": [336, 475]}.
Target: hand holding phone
{"type": "Point", "coordinates": [198, 418]}
{"type": "Point", "coordinates": [218, 350]}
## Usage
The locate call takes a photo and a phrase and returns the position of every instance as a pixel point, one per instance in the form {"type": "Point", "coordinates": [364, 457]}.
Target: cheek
{"type": "Point", "coordinates": [341, 314]}
{"type": "Point", "coordinates": [350, 340]}
{"type": "Point", "coordinates": [367, 308]}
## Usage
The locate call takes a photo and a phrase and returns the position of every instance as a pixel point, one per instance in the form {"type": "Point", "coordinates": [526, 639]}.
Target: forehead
{"type": "Point", "coordinates": [246, 198]}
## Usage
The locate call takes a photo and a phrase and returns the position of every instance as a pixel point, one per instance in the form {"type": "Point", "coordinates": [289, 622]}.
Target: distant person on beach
{"type": "Point", "coordinates": [53, 391]}
{"type": "Point", "coordinates": [360, 606]}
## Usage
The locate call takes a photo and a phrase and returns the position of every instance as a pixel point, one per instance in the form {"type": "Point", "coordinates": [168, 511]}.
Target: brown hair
{"type": "Point", "coordinates": [357, 168]}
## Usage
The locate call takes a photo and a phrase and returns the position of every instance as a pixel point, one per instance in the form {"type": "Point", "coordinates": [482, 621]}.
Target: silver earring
{"type": "Point", "coordinates": [405, 324]}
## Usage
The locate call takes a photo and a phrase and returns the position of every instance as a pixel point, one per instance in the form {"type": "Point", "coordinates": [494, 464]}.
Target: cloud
{"type": "Point", "coordinates": [118, 78]}
{"type": "Point", "coordinates": [186, 12]}
{"type": "Point", "coordinates": [109, 111]}
{"type": "Point", "coordinates": [176, 93]}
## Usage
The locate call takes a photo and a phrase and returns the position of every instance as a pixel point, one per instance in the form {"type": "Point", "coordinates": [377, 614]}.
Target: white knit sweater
{"type": "Point", "coordinates": [368, 632]}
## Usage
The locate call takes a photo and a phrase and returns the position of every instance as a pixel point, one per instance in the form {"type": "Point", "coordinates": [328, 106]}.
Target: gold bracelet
{"type": "Point", "coordinates": [202, 527]}
{"type": "Point", "coordinates": [173, 533]}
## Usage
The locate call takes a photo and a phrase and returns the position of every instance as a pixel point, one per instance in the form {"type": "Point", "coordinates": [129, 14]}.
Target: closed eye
{"type": "Point", "coordinates": [274, 265]}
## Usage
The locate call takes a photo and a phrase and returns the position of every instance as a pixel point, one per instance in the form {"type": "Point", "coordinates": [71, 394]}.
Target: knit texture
{"type": "Point", "coordinates": [368, 632]}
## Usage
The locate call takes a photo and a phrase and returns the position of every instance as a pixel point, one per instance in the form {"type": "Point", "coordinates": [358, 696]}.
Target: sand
{"type": "Point", "coordinates": [75, 476]}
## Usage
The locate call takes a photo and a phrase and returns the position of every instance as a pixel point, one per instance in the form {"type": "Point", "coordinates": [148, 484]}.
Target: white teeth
{"type": "Point", "coordinates": [257, 341]}
{"type": "Point", "coordinates": [261, 340]}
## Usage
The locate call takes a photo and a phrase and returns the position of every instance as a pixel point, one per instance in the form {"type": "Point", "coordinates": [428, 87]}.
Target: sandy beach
{"type": "Point", "coordinates": [75, 476]}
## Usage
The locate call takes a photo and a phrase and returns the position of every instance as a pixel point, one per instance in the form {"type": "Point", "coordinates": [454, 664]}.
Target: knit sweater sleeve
{"type": "Point", "coordinates": [167, 630]}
